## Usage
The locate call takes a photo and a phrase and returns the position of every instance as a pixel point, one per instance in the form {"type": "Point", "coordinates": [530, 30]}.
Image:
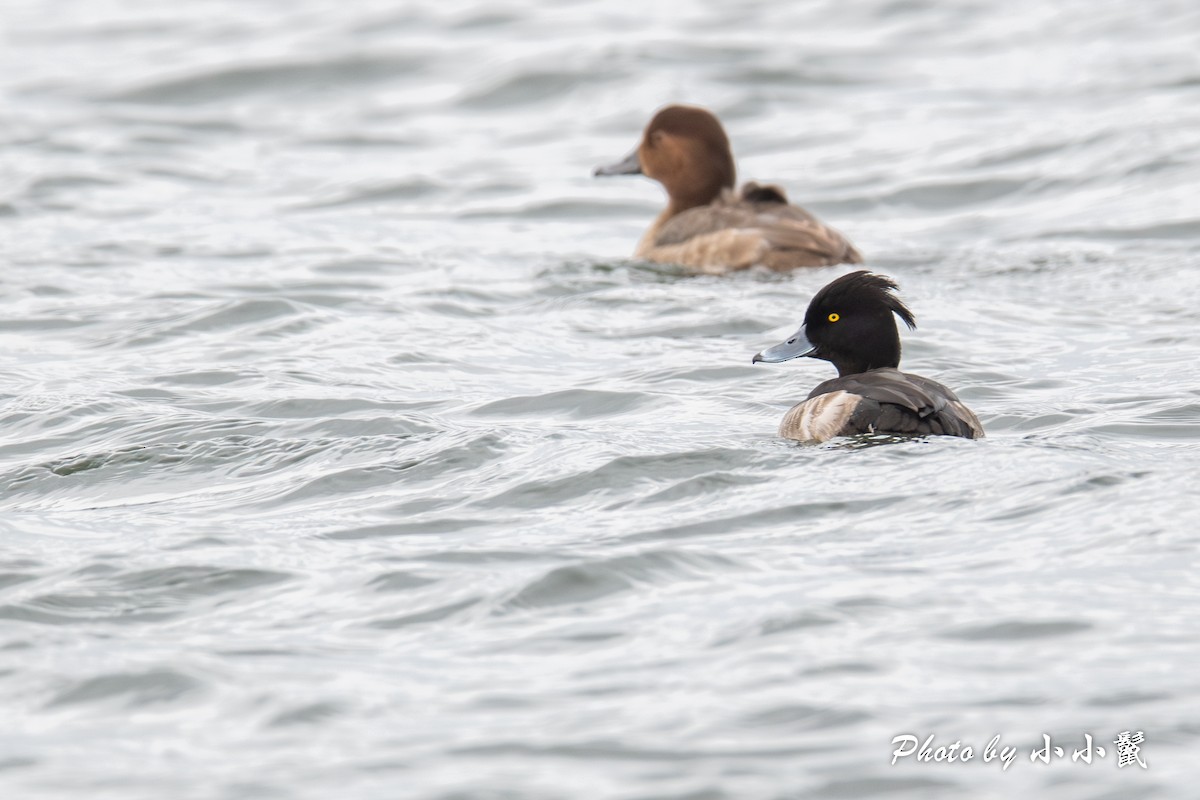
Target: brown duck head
{"type": "Point", "coordinates": [686, 150]}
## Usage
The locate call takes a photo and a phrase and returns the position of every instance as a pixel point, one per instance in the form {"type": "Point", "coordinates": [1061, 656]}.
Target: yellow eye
{"type": "Point", "coordinates": [834, 317]}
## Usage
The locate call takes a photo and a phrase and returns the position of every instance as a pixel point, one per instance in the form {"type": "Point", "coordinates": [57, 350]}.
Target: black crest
{"type": "Point", "coordinates": [859, 291]}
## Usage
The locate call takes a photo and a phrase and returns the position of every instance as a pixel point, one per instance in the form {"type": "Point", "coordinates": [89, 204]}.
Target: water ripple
{"type": "Point", "coordinates": [224, 84]}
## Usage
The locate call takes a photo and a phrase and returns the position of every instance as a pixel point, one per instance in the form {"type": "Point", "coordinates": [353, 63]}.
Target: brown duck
{"type": "Point", "coordinates": [708, 226]}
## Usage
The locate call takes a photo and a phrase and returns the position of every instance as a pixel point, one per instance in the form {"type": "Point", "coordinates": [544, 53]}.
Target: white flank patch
{"type": "Point", "coordinates": [819, 419]}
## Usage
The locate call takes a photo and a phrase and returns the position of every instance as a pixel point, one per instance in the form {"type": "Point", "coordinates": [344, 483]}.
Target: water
{"type": "Point", "coordinates": [346, 453]}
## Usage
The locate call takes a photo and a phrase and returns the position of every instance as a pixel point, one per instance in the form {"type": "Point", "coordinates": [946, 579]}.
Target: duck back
{"type": "Point", "coordinates": [880, 401]}
{"type": "Point", "coordinates": [756, 226]}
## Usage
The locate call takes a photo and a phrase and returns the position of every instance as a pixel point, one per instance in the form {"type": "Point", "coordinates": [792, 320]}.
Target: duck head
{"type": "Point", "coordinates": [849, 323]}
{"type": "Point", "coordinates": [686, 150]}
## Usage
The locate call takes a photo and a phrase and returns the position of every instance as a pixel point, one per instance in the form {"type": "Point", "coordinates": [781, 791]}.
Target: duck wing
{"type": "Point", "coordinates": [882, 401]}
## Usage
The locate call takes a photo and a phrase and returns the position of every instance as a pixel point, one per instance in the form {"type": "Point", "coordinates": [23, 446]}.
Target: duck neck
{"type": "Point", "coordinates": [709, 172]}
{"type": "Point", "coordinates": [880, 349]}
{"type": "Point", "coordinates": [853, 366]}
{"type": "Point", "coordinates": [694, 197]}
